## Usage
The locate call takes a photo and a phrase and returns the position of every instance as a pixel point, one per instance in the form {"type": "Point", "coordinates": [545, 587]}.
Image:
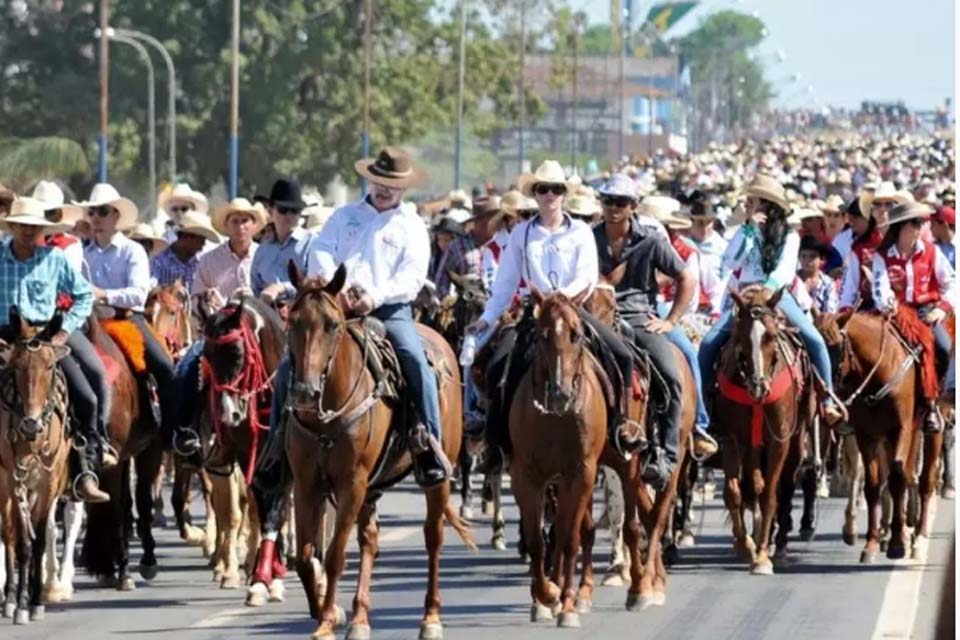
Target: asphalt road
{"type": "Point", "coordinates": [823, 593]}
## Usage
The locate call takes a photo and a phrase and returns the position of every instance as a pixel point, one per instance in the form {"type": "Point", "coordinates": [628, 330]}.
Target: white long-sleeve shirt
{"type": "Point", "coordinates": [850, 287]}
{"type": "Point", "coordinates": [330, 246]}
{"type": "Point", "coordinates": [489, 260]}
{"type": "Point", "coordinates": [564, 260]}
{"type": "Point", "coordinates": [711, 262]}
{"type": "Point", "coordinates": [883, 295]}
{"type": "Point", "coordinates": [743, 253]}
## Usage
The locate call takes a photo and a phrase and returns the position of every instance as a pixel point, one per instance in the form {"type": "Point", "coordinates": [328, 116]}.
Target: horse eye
{"type": "Point", "coordinates": [468, 296]}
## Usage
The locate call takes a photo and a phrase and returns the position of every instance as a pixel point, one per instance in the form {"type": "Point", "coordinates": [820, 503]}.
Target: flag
{"type": "Point", "coordinates": [663, 16]}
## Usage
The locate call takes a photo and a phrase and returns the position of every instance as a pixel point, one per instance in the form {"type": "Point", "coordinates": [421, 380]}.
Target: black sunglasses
{"type": "Point", "coordinates": [180, 208]}
{"type": "Point", "coordinates": [555, 189]}
{"type": "Point", "coordinates": [526, 214]}
{"type": "Point", "coordinates": [286, 210]}
{"type": "Point", "coordinates": [102, 211]}
{"type": "Point", "coordinates": [619, 202]}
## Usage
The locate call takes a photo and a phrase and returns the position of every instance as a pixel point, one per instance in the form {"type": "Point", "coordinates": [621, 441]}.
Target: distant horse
{"type": "Point", "coordinates": [346, 440]}
{"type": "Point", "coordinates": [34, 446]}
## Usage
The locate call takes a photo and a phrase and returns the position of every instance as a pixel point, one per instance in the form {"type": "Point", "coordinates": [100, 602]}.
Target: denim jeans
{"type": "Point", "coordinates": [720, 333]}
{"type": "Point", "coordinates": [161, 366]}
{"type": "Point", "coordinates": [188, 376]}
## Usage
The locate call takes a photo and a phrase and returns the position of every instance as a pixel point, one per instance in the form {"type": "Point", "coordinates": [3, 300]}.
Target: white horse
{"type": "Point", "coordinates": [58, 583]}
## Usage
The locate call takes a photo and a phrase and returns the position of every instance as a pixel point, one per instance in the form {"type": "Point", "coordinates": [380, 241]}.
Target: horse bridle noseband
{"type": "Point", "coordinates": [577, 379]}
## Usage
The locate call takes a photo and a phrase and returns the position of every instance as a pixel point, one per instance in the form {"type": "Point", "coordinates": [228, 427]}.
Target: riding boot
{"type": "Point", "coordinates": [629, 436]}
{"type": "Point", "coordinates": [932, 421]}
{"type": "Point", "coordinates": [85, 485]}
{"type": "Point", "coordinates": [430, 464]}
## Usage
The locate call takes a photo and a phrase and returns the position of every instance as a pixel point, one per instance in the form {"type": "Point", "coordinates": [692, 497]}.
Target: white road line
{"type": "Point", "coordinates": [219, 618]}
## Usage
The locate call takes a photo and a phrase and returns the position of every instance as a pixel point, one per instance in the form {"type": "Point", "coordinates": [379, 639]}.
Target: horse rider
{"type": "Point", "coordinates": [764, 251]}
{"type": "Point", "coordinates": [645, 251]}
{"type": "Point", "coordinates": [463, 255]}
{"type": "Point", "coordinates": [821, 288]}
{"type": "Point", "coordinates": [512, 204]}
{"type": "Point", "coordinates": [32, 278]}
{"type": "Point", "coordinates": [866, 237]}
{"type": "Point", "coordinates": [269, 277]}
{"type": "Point", "coordinates": [710, 246]}
{"type": "Point", "coordinates": [912, 272]}
{"type": "Point", "coordinates": [386, 262]}
{"type": "Point", "coordinates": [62, 218]}
{"type": "Point", "coordinates": [943, 226]}
{"type": "Point", "coordinates": [551, 251]}
{"type": "Point", "coordinates": [180, 260]}
{"type": "Point", "coordinates": [120, 275]}
{"type": "Point", "coordinates": [176, 202]}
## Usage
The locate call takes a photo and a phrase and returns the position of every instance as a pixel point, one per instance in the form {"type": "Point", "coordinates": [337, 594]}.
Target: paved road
{"type": "Point", "coordinates": [823, 594]}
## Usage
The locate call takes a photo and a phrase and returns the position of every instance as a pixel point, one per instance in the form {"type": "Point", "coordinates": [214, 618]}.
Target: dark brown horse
{"type": "Point", "coordinates": [34, 447]}
{"type": "Point", "coordinates": [339, 428]}
{"type": "Point", "coordinates": [878, 378]}
{"type": "Point", "coordinates": [764, 405]}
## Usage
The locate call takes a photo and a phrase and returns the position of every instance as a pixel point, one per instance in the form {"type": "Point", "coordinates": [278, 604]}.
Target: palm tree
{"type": "Point", "coordinates": [24, 161]}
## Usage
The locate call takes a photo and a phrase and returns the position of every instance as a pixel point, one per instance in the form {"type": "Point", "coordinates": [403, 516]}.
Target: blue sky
{"type": "Point", "coordinates": [848, 50]}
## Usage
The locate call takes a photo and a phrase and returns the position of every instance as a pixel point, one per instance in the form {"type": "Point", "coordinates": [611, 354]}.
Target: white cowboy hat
{"type": "Point", "coordinates": [459, 195]}
{"type": "Point", "coordinates": [658, 207]}
{"type": "Point", "coordinates": [27, 211]}
{"type": "Point", "coordinates": [833, 204]}
{"type": "Point", "coordinates": [238, 205]}
{"type": "Point", "coordinates": [50, 196]}
{"type": "Point", "coordinates": [105, 194]}
{"type": "Point", "coordinates": [198, 224]}
{"type": "Point", "coordinates": [144, 231]}
{"type": "Point", "coordinates": [802, 213]}
{"type": "Point", "coordinates": [582, 205]}
{"type": "Point", "coordinates": [183, 193]}
{"type": "Point", "coordinates": [550, 172]}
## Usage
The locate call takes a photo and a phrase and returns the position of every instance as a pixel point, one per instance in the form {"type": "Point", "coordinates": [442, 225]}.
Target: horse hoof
{"type": "Point", "coordinates": [921, 545]}
{"type": "Point", "coordinates": [948, 493]}
{"type": "Point", "coordinates": [341, 615]}
{"type": "Point", "coordinates": [466, 512]}
{"type": "Point", "coordinates": [107, 582]}
{"type": "Point", "coordinates": [896, 552]}
{"type": "Point", "coordinates": [126, 583]}
{"type": "Point", "coordinates": [540, 613]}
{"type": "Point", "coordinates": [37, 613]}
{"type": "Point", "coordinates": [670, 555]}
{"type": "Point", "coordinates": [613, 579]}
{"type": "Point", "coordinates": [883, 545]}
{"type": "Point", "coordinates": [431, 631]}
{"type": "Point", "coordinates": [256, 595]}
{"type": "Point", "coordinates": [277, 590]}
{"type": "Point", "coordinates": [21, 616]}
{"type": "Point", "coordinates": [8, 609]}
{"type": "Point", "coordinates": [487, 508]}
{"type": "Point", "coordinates": [217, 575]}
{"type": "Point", "coordinates": [230, 582]}
{"type": "Point", "coordinates": [806, 535]}
{"type": "Point", "coordinates": [584, 606]}
{"type": "Point", "coordinates": [358, 632]}
{"type": "Point", "coordinates": [764, 568]}
{"type": "Point", "coordinates": [148, 571]}
{"type": "Point", "coordinates": [569, 620]}
{"type": "Point", "coordinates": [498, 543]}
{"type": "Point", "coordinates": [686, 540]}
{"type": "Point", "coordinates": [868, 557]}
{"type": "Point", "coordinates": [633, 601]}
{"type": "Point", "coordinates": [58, 593]}
{"type": "Point", "coordinates": [659, 598]}
{"type": "Point", "coordinates": [849, 538]}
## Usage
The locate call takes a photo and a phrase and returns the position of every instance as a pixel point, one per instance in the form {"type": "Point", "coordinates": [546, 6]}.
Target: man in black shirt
{"type": "Point", "coordinates": [620, 239]}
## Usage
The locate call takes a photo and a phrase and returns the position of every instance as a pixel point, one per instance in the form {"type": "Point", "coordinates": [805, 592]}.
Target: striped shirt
{"type": "Point", "coordinates": [463, 257]}
{"type": "Point", "coordinates": [122, 270]}
{"type": "Point", "coordinates": [223, 270]}
{"type": "Point", "coordinates": [166, 268]}
{"type": "Point", "coordinates": [33, 287]}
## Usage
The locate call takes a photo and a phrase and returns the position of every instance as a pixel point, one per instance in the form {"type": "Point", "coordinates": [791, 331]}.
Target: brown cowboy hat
{"type": "Point", "coordinates": [485, 207]}
{"type": "Point", "coordinates": [392, 167]}
{"type": "Point", "coordinates": [768, 188]}
{"type": "Point", "coordinates": [908, 211]}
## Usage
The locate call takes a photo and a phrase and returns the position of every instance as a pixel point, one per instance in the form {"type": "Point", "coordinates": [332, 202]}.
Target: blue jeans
{"type": "Point", "coordinates": [679, 338]}
{"type": "Point", "coordinates": [720, 333]}
{"type": "Point", "coordinates": [188, 376]}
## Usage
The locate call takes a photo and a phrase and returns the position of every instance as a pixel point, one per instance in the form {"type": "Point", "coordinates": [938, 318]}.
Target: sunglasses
{"type": "Point", "coordinates": [886, 204]}
{"type": "Point", "coordinates": [180, 208]}
{"type": "Point", "coordinates": [620, 202]}
{"type": "Point", "coordinates": [526, 214]}
{"type": "Point", "coordinates": [286, 211]}
{"type": "Point", "coordinates": [101, 212]}
{"type": "Point", "coordinates": [555, 189]}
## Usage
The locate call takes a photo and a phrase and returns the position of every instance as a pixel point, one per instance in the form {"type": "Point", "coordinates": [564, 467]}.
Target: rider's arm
{"type": "Point", "coordinates": [883, 295]}
{"type": "Point", "coordinates": [946, 280]}
{"type": "Point", "coordinates": [488, 268]}
{"type": "Point", "coordinates": [256, 280]}
{"type": "Point", "coordinates": [72, 282]}
{"type": "Point", "coordinates": [411, 273]}
{"type": "Point", "coordinates": [786, 268]}
{"type": "Point", "coordinates": [587, 265]}
{"type": "Point", "coordinates": [851, 282]}
{"type": "Point", "coordinates": [323, 247]}
{"type": "Point", "coordinates": [666, 260]}
{"type": "Point", "coordinates": [507, 280]}
{"type": "Point", "coordinates": [134, 294]}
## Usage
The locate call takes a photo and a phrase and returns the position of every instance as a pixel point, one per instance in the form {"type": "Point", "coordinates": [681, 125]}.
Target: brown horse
{"type": "Point", "coordinates": [340, 427]}
{"type": "Point", "coordinates": [34, 447]}
{"type": "Point", "coordinates": [764, 405]}
{"type": "Point", "coordinates": [879, 372]}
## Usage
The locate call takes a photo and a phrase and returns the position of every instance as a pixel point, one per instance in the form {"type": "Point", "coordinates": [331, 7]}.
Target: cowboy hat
{"type": "Point", "coordinates": [485, 207]}
{"type": "Point", "coordinates": [145, 232]}
{"type": "Point", "coordinates": [63, 215]}
{"type": "Point", "coordinates": [674, 221]}
{"type": "Point", "coordinates": [513, 202]}
{"type": "Point", "coordinates": [391, 168]}
{"type": "Point", "coordinates": [28, 211]}
{"type": "Point", "coordinates": [902, 196]}
{"type": "Point", "coordinates": [104, 194]}
{"type": "Point", "coordinates": [446, 224]}
{"type": "Point", "coordinates": [619, 186]}
{"type": "Point", "coordinates": [198, 224]}
{"type": "Point", "coordinates": [183, 193]}
{"type": "Point", "coordinates": [582, 205]}
{"type": "Point", "coordinates": [550, 172]}
{"type": "Point", "coordinates": [768, 188]}
{"type": "Point", "coordinates": [285, 193]}
{"type": "Point", "coordinates": [658, 207]}
{"type": "Point", "coordinates": [459, 195]}
{"type": "Point", "coordinates": [800, 214]}
{"type": "Point", "coordinates": [833, 204]}
{"type": "Point", "coordinates": [908, 211]}
{"type": "Point", "coordinates": [238, 205]}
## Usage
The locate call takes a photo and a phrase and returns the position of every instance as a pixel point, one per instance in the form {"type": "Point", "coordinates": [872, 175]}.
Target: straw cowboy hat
{"type": "Point", "coordinates": [908, 211]}
{"type": "Point", "coordinates": [802, 213]}
{"type": "Point", "coordinates": [550, 172]}
{"type": "Point", "coordinates": [27, 211]}
{"type": "Point", "coordinates": [238, 205]}
{"type": "Point", "coordinates": [658, 207]}
{"type": "Point", "coordinates": [513, 202]}
{"type": "Point", "coordinates": [459, 195]}
{"type": "Point", "coordinates": [105, 194]}
{"type": "Point", "coordinates": [183, 193]}
{"type": "Point", "coordinates": [674, 221]}
{"type": "Point", "coordinates": [392, 167]}
{"type": "Point", "coordinates": [198, 224]}
{"type": "Point", "coordinates": [488, 206]}
{"type": "Point", "coordinates": [833, 204]}
{"type": "Point", "coordinates": [767, 188]}
{"type": "Point", "coordinates": [63, 215]}
{"type": "Point", "coordinates": [582, 205]}
{"type": "Point", "coordinates": [883, 192]}
{"type": "Point", "coordinates": [145, 232]}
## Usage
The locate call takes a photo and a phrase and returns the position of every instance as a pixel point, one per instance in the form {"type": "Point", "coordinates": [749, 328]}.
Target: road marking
{"type": "Point", "coordinates": [396, 534]}
{"type": "Point", "coordinates": [219, 618]}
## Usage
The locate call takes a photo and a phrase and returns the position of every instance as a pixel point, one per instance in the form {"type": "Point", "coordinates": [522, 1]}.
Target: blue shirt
{"type": "Point", "coordinates": [272, 258]}
{"type": "Point", "coordinates": [122, 269]}
{"type": "Point", "coordinates": [166, 268]}
{"type": "Point", "coordinates": [949, 250]}
{"type": "Point", "coordinates": [33, 286]}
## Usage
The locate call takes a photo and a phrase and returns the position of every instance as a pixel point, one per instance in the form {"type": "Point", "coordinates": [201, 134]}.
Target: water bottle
{"type": "Point", "coordinates": [469, 350]}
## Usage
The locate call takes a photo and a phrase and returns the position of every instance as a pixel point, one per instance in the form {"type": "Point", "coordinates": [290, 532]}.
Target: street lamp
{"type": "Point", "coordinates": [579, 20]}
{"type": "Point", "coordinates": [234, 97]}
{"type": "Point", "coordinates": [460, 69]}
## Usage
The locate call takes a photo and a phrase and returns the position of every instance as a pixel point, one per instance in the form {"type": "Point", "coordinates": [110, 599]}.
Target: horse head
{"type": "Point", "coordinates": [755, 335]}
{"type": "Point", "coordinates": [832, 326]}
{"type": "Point", "coordinates": [470, 301]}
{"type": "Point", "coordinates": [602, 303]}
{"type": "Point", "coordinates": [225, 351]}
{"type": "Point", "coordinates": [559, 353]}
{"type": "Point", "coordinates": [168, 311]}
{"type": "Point", "coordinates": [316, 323]}
{"type": "Point", "coordinates": [30, 364]}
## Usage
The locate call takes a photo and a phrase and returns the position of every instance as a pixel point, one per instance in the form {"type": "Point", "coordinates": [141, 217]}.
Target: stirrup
{"type": "Point", "coordinates": [640, 443]}
{"type": "Point", "coordinates": [76, 483]}
{"type": "Point", "coordinates": [180, 432]}
{"type": "Point", "coordinates": [108, 450]}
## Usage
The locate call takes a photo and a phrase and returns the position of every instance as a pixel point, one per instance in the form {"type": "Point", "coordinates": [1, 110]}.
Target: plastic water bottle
{"type": "Point", "coordinates": [469, 350]}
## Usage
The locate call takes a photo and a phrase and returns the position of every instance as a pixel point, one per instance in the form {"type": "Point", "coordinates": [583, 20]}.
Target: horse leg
{"type": "Point", "coordinates": [39, 544]}
{"type": "Point", "coordinates": [809, 483]}
{"type": "Point", "coordinates": [437, 499]}
{"type": "Point", "coordinates": [529, 497]}
{"type": "Point", "coordinates": [349, 503]}
{"type": "Point", "coordinates": [766, 487]}
{"type": "Point", "coordinates": [631, 534]}
{"type": "Point", "coordinates": [588, 533]}
{"type": "Point", "coordinates": [897, 483]}
{"type": "Point", "coordinates": [733, 500]}
{"type": "Point", "coordinates": [368, 541]}
{"type": "Point", "coordinates": [614, 498]}
{"type": "Point", "coordinates": [156, 490]}
{"type": "Point", "coordinates": [872, 486]}
{"type": "Point", "coordinates": [466, 468]}
{"type": "Point", "coordinates": [60, 588]}
{"type": "Point", "coordinates": [51, 564]}
{"type": "Point", "coordinates": [10, 556]}
{"type": "Point", "coordinates": [854, 470]}
{"type": "Point", "coordinates": [180, 502]}
{"type": "Point", "coordinates": [932, 446]}
{"type": "Point", "coordinates": [308, 519]}
{"type": "Point", "coordinates": [124, 522]}
{"type": "Point", "coordinates": [210, 539]}
{"type": "Point", "coordinates": [227, 513]}
{"type": "Point", "coordinates": [148, 469]}
{"type": "Point", "coordinates": [24, 562]}
{"type": "Point", "coordinates": [572, 500]}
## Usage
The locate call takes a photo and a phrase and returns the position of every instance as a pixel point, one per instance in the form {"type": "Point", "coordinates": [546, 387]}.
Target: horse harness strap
{"type": "Point", "coordinates": [913, 355]}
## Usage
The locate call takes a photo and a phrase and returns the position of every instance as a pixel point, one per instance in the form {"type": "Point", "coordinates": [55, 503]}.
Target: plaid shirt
{"type": "Point", "coordinates": [463, 257]}
{"type": "Point", "coordinates": [824, 295]}
{"type": "Point", "coordinates": [165, 267]}
{"type": "Point", "coordinates": [34, 287]}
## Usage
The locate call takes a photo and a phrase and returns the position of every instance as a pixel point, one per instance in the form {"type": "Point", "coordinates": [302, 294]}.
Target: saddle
{"type": "Point", "coordinates": [126, 335]}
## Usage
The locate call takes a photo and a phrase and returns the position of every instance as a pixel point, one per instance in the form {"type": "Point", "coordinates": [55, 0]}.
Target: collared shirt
{"type": "Point", "coordinates": [122, 270]}
{"type": "Point", "coordinates": [34, 285]}
{"type": "Point", "coordinates": [883, 294]}
{"type": "Point", "coordinates": [743, 255]}
{"type": "Point", "coordinates": [463, 257]}
{"type": "Point", "coordinates": [490, 257]}
{"type": "Point", "coordinates": [223, 270]}
{"type": "Point", "coordinates": [564, 259]}
{"type": "Point", "coordinates": [843, 242]}
{"type": "Point", "coordinates": [711, 261]}
{"type": "Point", "coordinates": [949, 250]}
{"type": "Point", "coordinates": [824, 294]}
{"type": "Point", "coordinates": [329, 248]}
{"type": "Point", "coordinates": [165, 267]}
{"type": "Point", "coordinates": [270, 263]}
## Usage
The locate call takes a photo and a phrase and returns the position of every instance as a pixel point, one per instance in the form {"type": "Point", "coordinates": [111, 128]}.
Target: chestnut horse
{"type": "Point", "coordinates": [34, 447]}
{"type": "Point", "coordinates": [878, 371]}
{"type": "Point", "coordinates": [764, 405]}
{"type": "Point", "coordinates": [339, 428]}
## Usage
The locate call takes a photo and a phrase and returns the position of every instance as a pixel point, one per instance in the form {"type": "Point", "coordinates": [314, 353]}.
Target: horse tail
{"type": "Point", "coordinates": [104, 525]}
{"type": "Point", "coordinates": [461, 527]}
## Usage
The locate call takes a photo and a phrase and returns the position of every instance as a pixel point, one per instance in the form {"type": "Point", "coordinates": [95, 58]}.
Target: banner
{"type": "Point", "coordinates": [663, 16]}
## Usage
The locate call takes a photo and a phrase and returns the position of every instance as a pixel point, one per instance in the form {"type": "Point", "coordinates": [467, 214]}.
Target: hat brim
{"type": "Point", "coordinates": [129, 215]}
{"type": "Point", "coordinates": [286, 204]}
{"type": "Point", "coordinates": [220, 215]}
{"type": "Point", "coordinates": [416, 178]}
{"type": "Point", "coordinates": [200, 206]}
{"type": "Point", "coordinates": [527, 181]}
{"type": "Point", "coordinates": [203, 232]}
{"type": "Point", "coordinates": [913, 215]}
{"type": "Point", "coordinates": [26, 220]}
{"type": "Point", "coordinates": [769, 196]}
{"type": "Point", "coordinates": [157, 244]}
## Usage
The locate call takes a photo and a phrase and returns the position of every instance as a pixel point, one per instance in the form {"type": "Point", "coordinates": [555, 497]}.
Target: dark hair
{"type": "Point", "coordinates": [893, 234]}
{"type": "Point", "coordinates": [774, 235]}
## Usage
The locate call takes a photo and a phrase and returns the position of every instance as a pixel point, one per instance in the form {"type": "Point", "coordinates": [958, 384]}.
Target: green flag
{"type": "Point", "coordinates": [664, 16]}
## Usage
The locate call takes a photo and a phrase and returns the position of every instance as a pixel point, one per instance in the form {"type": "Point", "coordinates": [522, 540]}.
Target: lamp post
{"type": "Point", "coordinates": [579, 20]}
{"type": "Point", "coordinates": [367, 54]}
{"type": "Point", "coordinates": [104, 90]}
{"type": "Point", "coordinates": [523, 90]}
{"type": "Point", "coordinates": [234, 98]}
{"type": "Point", "coordinates": [458, 159]}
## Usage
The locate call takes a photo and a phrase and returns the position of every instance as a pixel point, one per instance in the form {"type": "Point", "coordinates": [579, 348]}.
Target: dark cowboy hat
{"type": "Point", "coordinates": [391, 168]}
{"type": "Point", "coordinates": [285, 193]}
{"type": "Point", "coordinates": [812, 243]}
{"type": "Point", "coordinates": [853, 208]}
{"type": "Point", "coordinates": [484, 207]}
{"type": "Point", "coordinates": [446, 224]}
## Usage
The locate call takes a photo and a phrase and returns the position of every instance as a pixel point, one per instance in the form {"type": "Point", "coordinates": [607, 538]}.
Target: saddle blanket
{"type": "Point", "coordinates": [128, 337]}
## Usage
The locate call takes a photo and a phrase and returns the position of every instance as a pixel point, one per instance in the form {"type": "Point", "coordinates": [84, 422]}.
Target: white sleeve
{"type": "Point", "coordinates": [883, 296]}
{"type": "Point", "coordinates": [507, 280]}
{"type": "Point", "coordinates": [693, 267]}
{"type": "Point", "coordinates": [786, 269]}
{"type": "Point", "coordinates": [851, 282]}
{"type": "Point", "coordinates": [587, 265]}
{"type": "Point", "coordinates": [322, 250]}
{"type": "Point", "coordinates": [488, 268]}
{"type": "Point", "coordinates": [411, 273]}
{"type": "Point", "coordinates": [946, 279]}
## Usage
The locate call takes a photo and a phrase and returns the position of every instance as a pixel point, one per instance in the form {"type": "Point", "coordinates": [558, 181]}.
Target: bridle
{"type": "Point", "coordinates": [574, 401]}
{"type": "Point", "coordinates": [848, 364]}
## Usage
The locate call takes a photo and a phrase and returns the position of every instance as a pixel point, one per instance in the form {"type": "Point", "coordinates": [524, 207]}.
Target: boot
{"type": "Point", "coordinates": [704, 445]}
{"type": "Point", "coordinates": [832, 413]}
{"type": "Point", "coordinates": [629, 436]}
{"type": "Point", "coordinates": [430, 464]}
{"type": "Point", "coordinates": [932, 421]}
{"type": "Point", "coordinates": [658, 469]}
{"type": "Point", "coordinates": [109, 459]}
{"type": "Point", "coordinates": [85, 485]}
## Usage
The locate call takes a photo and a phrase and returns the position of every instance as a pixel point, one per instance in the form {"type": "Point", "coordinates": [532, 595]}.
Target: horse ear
{"type": "Point", "coordinates": [336, 284]}
{"type": "Point", "coordinates": [579, 299]}
{"type": "Point", "coordinates": [774, 300]}
{"type": "Point", "coordinates": [296, 276]}
{"type": "Point", "coordinates": [232, 321]}
{"type": "Point", "coordinates": [738, 300]}
{"type": "Point", "coordinates": [844, 317]}
{"type": "Point", "coordinates": [53, 327]}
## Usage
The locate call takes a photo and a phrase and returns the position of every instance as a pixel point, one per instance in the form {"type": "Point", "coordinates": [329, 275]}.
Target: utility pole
{"type": "Point", "coordinates": [367, 44]}
{"type": "Point", "coordinates": [104, 90]}
{"type": "Point", "coordinates": [624, 27]}
{"type": "Point", "coordinates": [458, 162]}
{"type": "Point", "coordinates": [523, 90]}
{"type": "Point", "coordinates": [234, 98]}
{"type": "Point", "coordinates": [579, 19]}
